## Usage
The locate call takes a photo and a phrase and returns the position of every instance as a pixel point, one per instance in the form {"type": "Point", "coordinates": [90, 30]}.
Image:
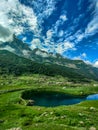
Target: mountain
{"type": "Point", "coordinates": [21, 56]}
{"type": "Point", "coordinates": [16, 46]}
{"type": "Point", "coordinates": [20, 48]}
{"type": "Point", "coordinates": [15, 65]}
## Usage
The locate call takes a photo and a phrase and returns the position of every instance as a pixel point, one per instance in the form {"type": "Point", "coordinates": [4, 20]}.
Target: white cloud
{"type": "Point", "coordinates": [49, 8]}
{"type": "Point", "coordinates": [85, 61]}
{"type": "Point", "coordinates": [36, 43]}
{"type": "Point", "coordinates": [58, 23]}
{"type": "Point", "coordinates": [49, 34]}
{"type": "Point", "coordinates": [13, 16]}
{"type": "Point", "coordinates": [5, 34]}
{"type": "Point", "coordinates": [8, 48]}
{"type": "Point", "coordinates": [61, 20]}
{"type": "Point", "coordinates": [63, 17]}
{"type": "Point", "coordinates": [49, 43]}
{"type": "Point", "coordinates": [25, 52]}
{"type": "Point", "coordinates": [92, 27]}
{"type": "Point", "coordinates": [40, 53]}
{"type": "Point", "coordinates": [43, 8]}
{"type": "Point", "coordinates": [62, 47]}
{"type": "Point", "coordinates": [24, 39]}
{"type": "Point", "coordinates": [88, 62]}
{"type": "Point", "coordinates": [76, 58]}
{"type": "Point", "coordinates": [18, 18]}
{"type": "Point", "coordinates": [96, 64]}
{"type": "Point", "coordinates": [61, 33]}
{"type": "Point", "coordinates": [82, 56]}
{"type": "Point", "coordinates": [68, 45]}
{"type": "Point", "coordinates": [80, 37]}
{"type": "Point", "coordinates": [59, 49]}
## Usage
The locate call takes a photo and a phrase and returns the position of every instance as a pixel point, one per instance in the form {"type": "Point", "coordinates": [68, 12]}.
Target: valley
{"type": "Point", "coordinates": [15, 113]}
{"type": "Point", "coordinates": [48, 64]}
{"type": "Point", "coordinates": [54, 74]}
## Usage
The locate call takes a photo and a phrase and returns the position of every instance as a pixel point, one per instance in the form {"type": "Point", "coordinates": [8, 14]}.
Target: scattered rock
{"type": "Point", "coordinates": [51, 113]}
{"type": "Point", "coordinates": [92, 128]}
{"type": "Point", "coordinates": [64, 87]}
{"type": "Point", "coordinates": [30, 103]}
{"type": "Point", "coordinates": [62, 117]}
{"type": "Point", "coordinates": [36, 125]}
{"type": "Point", "coordinates": [44, 114]}
{"type": "Point", "coordinates": [39, 109]}
{"type": "Point", "coordinates": [95, 85]}
{"type": "Point", "coordinates": [80, 114]}
{"type": "Point", "coordinates": [81, 122]}
{"type": "Point", "coordinates": [54, 118]}
{"type": "Point", "coordinates": [2, 84]}
{"type": "Point", "coordinates": [15, 128]}
{"type": "Point", "coordinates": [92, 108]}
{"type": "Point", "coordinates": [81, 92]}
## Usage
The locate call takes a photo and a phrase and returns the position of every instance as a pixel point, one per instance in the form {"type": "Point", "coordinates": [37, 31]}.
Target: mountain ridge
{"type": "Point", "coordinates": [37, 56]}
{"type": "Point", "coordinates": [13, 64]}
{"type": "Point", "coordinates": [22, 49]}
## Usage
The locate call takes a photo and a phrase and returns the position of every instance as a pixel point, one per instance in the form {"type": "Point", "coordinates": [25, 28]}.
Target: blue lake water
{"type": "Point", "coordinates": [50, 99]}
{"type": "Point", "coordinates": [92, 97]}
{"type": "Point", "coordinates": [56, 100]}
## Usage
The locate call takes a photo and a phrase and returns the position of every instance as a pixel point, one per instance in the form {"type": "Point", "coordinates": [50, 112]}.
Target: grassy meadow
{"type": "Point", "coordinates": [16, 115]}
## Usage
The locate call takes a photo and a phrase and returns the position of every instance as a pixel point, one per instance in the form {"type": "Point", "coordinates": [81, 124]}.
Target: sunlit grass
{"type": "Point", "coordinates": [15, 114]}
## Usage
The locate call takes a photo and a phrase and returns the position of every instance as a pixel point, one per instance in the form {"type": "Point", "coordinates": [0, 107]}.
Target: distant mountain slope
{"type": "Point", "coordinates": [13, 64]}
{"type": "Point", "coordinates": [64, 66]}
{"type": "Point", "coordinates": [16, 46]}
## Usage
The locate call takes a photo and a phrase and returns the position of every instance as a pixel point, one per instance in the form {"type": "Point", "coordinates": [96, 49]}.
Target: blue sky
{"type": "Point", "coordinates": [68, 27]}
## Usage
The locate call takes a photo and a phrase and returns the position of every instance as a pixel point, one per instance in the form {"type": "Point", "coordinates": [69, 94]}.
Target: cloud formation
{"type": "Point", "coordinates": [5, 34]}
{"type": "Point", "coordinates": [96, 64]}
{"type": "Point", "coordinates": [82, 56]}
{"type": "Point", "coordinates": [16, 17]}
{"type": "Point", "coordinates": [51, 25]}
{"type": "Point", "coordinates": [92, 27]}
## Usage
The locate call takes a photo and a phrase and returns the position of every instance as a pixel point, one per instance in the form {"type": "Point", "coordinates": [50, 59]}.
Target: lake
{"type": "Point", "coordinates": [92, 97]}
{"type": "Point", "coordinates": [55, 101]}
{"type": "Point", "coordinates": [52, 99]}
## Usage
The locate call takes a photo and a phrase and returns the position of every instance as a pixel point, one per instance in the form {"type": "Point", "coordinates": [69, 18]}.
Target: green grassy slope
{"type": "Point", "coordinates": [20, 74]}
{"type": "Point", "coordinates": [13, 64]}
{"type": "Point", "coordinates": [15, 114]}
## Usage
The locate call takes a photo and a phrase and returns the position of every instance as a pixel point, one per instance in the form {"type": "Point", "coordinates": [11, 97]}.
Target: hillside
{"type": "Point", "coordinates": [13, 64]}
{"type": "Point", "coordinates": [38, 61]}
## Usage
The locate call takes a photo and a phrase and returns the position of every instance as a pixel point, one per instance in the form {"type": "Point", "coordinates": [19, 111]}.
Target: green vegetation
{"type": "Point", "coordinates": [15, 65]}
{"type": "Point", "coordinates": [15, 114]}
{"type": "Point", "coordinates": [20, 75]}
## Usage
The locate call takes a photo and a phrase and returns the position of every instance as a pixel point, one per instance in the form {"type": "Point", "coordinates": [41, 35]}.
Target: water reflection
{"type": "Point", "coordinates": [56, 100]}
{"type": "Point", "coordinates": [92, 97]}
